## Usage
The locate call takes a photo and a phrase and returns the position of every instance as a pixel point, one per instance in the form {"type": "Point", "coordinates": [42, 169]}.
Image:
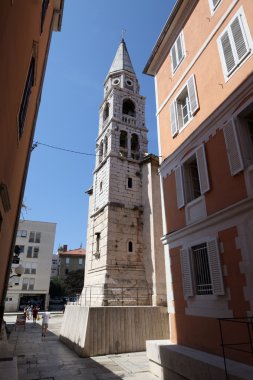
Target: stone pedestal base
{"type": "Point", "coordinates": [170, 361]}
{"type": "Point", "coordinates": [93, 331]}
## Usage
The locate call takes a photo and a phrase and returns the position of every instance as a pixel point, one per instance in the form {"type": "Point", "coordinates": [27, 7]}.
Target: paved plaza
{"type": "Point", "coordinates": [49, 359]}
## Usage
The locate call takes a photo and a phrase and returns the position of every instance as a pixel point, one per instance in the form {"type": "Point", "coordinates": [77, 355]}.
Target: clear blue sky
{"type": "Point", "coordinates": [79, 59]}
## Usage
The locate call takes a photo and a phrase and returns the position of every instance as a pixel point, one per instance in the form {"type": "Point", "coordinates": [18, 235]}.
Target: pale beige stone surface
{"type": "Point", "coordinates": [40, 358]}
{"type": "Point", "coordinates": [92, 331]}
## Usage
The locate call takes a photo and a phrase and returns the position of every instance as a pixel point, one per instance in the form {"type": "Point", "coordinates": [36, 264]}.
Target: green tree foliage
{"type": "Point", "coordinates": [57, 288]}
{"type": "Point", "coordinates": [74, 282]}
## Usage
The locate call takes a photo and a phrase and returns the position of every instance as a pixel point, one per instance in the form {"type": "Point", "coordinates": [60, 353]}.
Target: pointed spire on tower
{"type": "Point", "coordinates": [121, 60]}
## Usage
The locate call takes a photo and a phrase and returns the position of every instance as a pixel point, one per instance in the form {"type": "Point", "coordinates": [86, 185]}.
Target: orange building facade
{"type": "Point", "coordinates": [203, 69]}
{"type": "Point", "coordinates": [25, 29]}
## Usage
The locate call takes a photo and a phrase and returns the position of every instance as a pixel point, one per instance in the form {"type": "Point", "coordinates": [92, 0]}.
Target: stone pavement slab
{"type": "Point", "coordinates": [49, 359]}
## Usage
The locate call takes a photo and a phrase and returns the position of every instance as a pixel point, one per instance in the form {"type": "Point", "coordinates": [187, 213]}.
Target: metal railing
{"type": "Point", "coordinates": [114, 296]}
{"type": "Point", "coordinates": [242, 327]}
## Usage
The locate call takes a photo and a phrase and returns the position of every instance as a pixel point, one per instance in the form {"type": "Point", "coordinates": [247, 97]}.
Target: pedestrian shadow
{"type": "Point", "coordinates": [47, 357]}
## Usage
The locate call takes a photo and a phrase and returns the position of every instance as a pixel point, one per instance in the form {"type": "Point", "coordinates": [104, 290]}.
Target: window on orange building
{"type": "Point", "coordinates": [177, 52]}
{"type": "Point", "coordinates": [238, 134]}
{"type": "Point", "coordinates": [26, 96]}
{"type": "Point", "coordinates": [235, 43]}
{"type": "Point", "coordinates": [192, 177]}
{"type": "Point", "coordinates": [184, 107]}
{"type": "Point", "coordinates": [214, 4]}
{"type": "Point", "coordinates": [44, 7]}
{"type": "Point", "coordinates": [201, 269]}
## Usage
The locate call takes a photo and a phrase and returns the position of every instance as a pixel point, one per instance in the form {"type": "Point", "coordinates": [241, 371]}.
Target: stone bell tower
{"type": "Point", "coordinates": [115, 265]}
{"type": "Point", "coordinates": [124, 255]}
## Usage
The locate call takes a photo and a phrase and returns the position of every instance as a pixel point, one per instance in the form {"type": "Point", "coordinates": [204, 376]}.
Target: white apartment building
{"type": "Point", "coordinates": [36, 243]}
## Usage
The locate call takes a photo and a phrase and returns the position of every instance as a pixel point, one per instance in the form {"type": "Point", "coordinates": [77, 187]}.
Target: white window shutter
{"type": "Point", "coordinates": [239, 39]}
{"type": "Point", "coordinates": [186, 272]}
{"type": "Point", "coordinates": [215, 268]}
{"type": "Point", "coordinates": [173, 55]}
{"type": "Point", "coordinates": [227, 52]}
{"type": "Point", "coordinates": [215, 2]}
{"type": "Point", "coordinates": [192, 95]}
{"type": "Point", "coordinates": [233, 148]}
{"type": "Point", "coordinates": [179, 48]}
{"type": "Point", "coordinates": [202, 169]}
{"type": "Point", "coordinates": [179, 187]}
{"type": "Point", "coordinates": [173, 119]}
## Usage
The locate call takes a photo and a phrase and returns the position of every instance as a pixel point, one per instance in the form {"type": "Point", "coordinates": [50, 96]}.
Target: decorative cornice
{"type": "Point", "coordinates": [226, 214]}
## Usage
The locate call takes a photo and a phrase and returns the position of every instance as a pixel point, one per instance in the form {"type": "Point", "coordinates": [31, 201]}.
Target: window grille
{"type": "Point", "coordinates": [201, 268]}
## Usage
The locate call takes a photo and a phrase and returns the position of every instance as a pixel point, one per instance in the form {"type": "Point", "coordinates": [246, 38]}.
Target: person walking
{"type": "Point", "coordinates": [45, 319]}
{"type": "Point", "coordinates": [35, 313]}
{"type": "Point", "coordinates": [29, 312]}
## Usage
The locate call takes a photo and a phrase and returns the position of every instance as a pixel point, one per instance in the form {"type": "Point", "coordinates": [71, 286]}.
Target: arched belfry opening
{"type": "Point", "coordinates": [135, 147]}
{"type": "Point", "coordinates": [128, 108]}
{"type": "Point", "coordinates": [101, 150]}
{"type": "Point", "coordinates": [123, 143]}
{"type": "Point", "coordinates": [106, 112]}
{"type": "Point", "coordinates": [105, 145]}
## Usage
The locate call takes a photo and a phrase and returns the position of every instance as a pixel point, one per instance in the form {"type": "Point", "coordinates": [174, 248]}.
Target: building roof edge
{"type": "Point", "coordinates": [161, 37]}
